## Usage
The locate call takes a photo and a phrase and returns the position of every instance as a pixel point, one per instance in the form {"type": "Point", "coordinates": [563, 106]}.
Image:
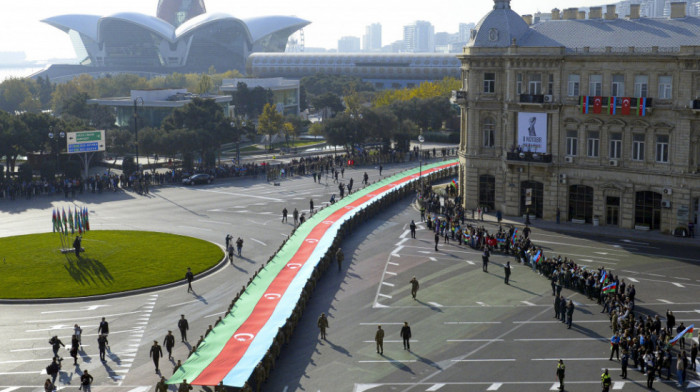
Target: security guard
{"type": "Point", "coordinates": [561, 369]}
{"type": "Point", "coordinates": [605, 381]}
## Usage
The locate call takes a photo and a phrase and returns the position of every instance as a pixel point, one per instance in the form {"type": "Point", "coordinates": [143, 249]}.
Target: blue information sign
{"type": "Point", "coordinates": [84, 147]}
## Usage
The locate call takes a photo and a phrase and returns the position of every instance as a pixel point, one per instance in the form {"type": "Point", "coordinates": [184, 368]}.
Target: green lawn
{"type": "Point", "coordinates": [32, 266]}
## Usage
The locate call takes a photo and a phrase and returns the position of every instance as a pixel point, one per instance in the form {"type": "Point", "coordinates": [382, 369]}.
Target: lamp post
{"type": "Point", "coordinates": [137, 100]}
{"type": "Point", "coordinates": [55, 140]}
{"type": "Point", "coordinates": [421, 139]}
{"type": "Point", "coordinates": [237, 124]}
{"type": "Point", "coordinates": [528, 202]}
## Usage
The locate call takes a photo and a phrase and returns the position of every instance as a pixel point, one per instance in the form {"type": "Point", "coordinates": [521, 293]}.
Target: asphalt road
{"type": "Point", "coordinates": [470, 331]}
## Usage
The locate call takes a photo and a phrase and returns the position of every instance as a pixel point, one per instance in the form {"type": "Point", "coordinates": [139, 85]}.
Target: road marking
{"type": "Point", "coordinates": [528, 303]}
{"type": "Point", "coordinates": [553, 321]}
{"type": "Point", "coordinates": [678, 285]}
{"type": "Point", "coordinates": [618, 384]}
{"type": "Point", "coordinates": [470, 262]}
{"type": "Point", "coordinates": [633, 280]}
{"type": "Point", "coordinates": [81, 309]}
{"type": "Point", "coordinates": [258, 241]}
{"type": "Point", "coordinates": [241, 194]}
{"type": "Point", "coordinates": [494, 387]}
{"type": "Point", "coordinates": [425, 252]}
{"type": "Point", "coordinates": [405, 233]}
{"type": "Point", "coordinates": [392, 263]}
{"type": "Point", "coordinates": [140, 389]}
{"type": "Point", "coordinates": [402, 241]}
{"type": "Point", "coordinates": [481, 303]}
{"type": "Point", "coordinates": [397, 250]}
{"type": "Point", "coordinates": [485, 360]}
{"type": "Point", "coordinates": [470, 322]}
{"type": "Point", "coordinates": [473, 340]}
{"type": "Point", "coordinates": [215, 314]}
{"type": "Point", "coordinates": [390, 341]}
{"type": "Point", "coordinates": [373, 324]}
{"type": "Point", "coordinates": [435, 304]}
{"type": "Point", "coordinates": [385, 296]}
{"type": "Point", "coordinates": [435, 387]}
{"type": "Point", "coordinates": [664, 301]}
{"type": "Point", "coordinates": [183, 303]}
{"type": "Point", "coordinates": [554, 387]}
{"type": "Point", "coordinates": [390, 361]}
{"type": "Point", "coordinates": [195, 228]}
{"type": "Point", "coordinates": [10, 389]}
{"type": "Point", "coordinates": [432, 258]}
{"type": "Point", "coordinates": [37, 348]}
{"type": "Point", "coordinates": [81, 318]}
{"type": "Point", "coordinates": [679, 278]}
{"type": "Point", "coordinates": [559, 339]}
{"type": "Point", "coordinates": [11, 373]}
{"type": "Point", "coordinates": [391, 273]}
{"type": "Point", "coordinates": [388, 284]}
{"type": "Point", "coordinates": [569, 359]}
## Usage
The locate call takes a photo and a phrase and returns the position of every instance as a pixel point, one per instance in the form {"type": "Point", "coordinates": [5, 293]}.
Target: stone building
{"type": "Point", "coordinates": [595, 119]}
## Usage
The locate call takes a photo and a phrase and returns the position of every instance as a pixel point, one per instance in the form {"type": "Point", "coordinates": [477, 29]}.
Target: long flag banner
{"type": "Point", "coordinates": [233, 349]}
{"type": "Point", "coordinates": [603, 276]}
{"type": "Point", "coordinates": [538, 256]}
{"type": "Point", "coordinates": [688, 330]}
{"type": "Point", "coordinates": [512, 239]}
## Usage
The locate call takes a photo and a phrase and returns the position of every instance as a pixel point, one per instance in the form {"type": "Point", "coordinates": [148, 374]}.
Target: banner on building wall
{"type": "Point", "coordinates": [532, 132]}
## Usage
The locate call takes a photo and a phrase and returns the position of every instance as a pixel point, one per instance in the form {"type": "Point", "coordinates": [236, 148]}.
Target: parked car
{"type": "Point", "coordinates": [201, 178]}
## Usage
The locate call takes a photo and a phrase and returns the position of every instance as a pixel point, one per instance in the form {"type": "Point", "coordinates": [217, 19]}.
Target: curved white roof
{"type": "Point", "coordinates": [156, 25]}
{"type": "Point", "coordinates": [84, 24]}
{"type": "Point", "coordinates": [265, 25]}
{"type": "Point", "coordinates": [204, 19]}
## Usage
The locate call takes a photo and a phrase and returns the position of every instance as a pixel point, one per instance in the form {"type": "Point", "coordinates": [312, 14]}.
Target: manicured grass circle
{"type": "Point", "coordinates": [32, 266]}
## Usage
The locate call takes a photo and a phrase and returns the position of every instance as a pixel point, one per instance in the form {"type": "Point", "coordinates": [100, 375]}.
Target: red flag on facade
{"type": "Point", "coordinates": [598, 105]}
{"type": "Point", "coordinates": [626, 104]}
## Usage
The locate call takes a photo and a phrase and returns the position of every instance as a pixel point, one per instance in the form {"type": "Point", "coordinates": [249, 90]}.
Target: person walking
{"type": "Point", "coordinates": [189, 277]}
{"type": "Point", "coordinates": [156, 354]}
{"type": "Point", "coordinates": [670, 321]}
{"type": "Point", "coordinates": [169, 343]}
{"type": "Point", "coordinates": [74, 346]}
{"type": "Point", "coordinates": [102, 343]}
{"type": "Point", "coordinates": [56, 344]}
{"type": "Point", "coordinates": [414, 287]}
{"type": "Point", "coordinates": [437, 240]}
{"type": "Point", "coordinates": [311, 206]}
{"type": "Point", "coordinates": [651, 374]}
{"type": "Point", "coordinates": [53, 369]}
{"type": "Point", "coordinates": [556, 307]}
{"type": "Point", "coordinates": [406, 336]}
{"type": "Point", "coordinates": [413, 229]}
{"type": "Point", "coordinates": [624, 362]}
{"type": "Point", "coordinates": [506, 269]}
{"type": "Point", "coordinates": [339, 257]}
{"type": "Point", "coordinates": [379, 339]}
{"type": "Point", "coordinates": [322, 325]}
{"type": "Point", "coordinates": [184, 386]}
{"type": "Point", "coordinates": [239, 245]}
{"type": "Point", "coordinates": [229, 237]}
{"type": "Point", "coordinates": [284, 215]}
{"type": "Point", "coordinates": [561, 372]}
{"type": "Point", "coordinates": [103, 328]}
{"type": "Point", "coordinates": [569, 313]}
{"type": "Point", "coordinates": [295, 215]}
{"type": "Point", "coordinates": [183, 326]}
{"type": "Point", "coordinates": [49, 386]}
{"type": "Point", "coordinates": [562, 308]}
{"type": "Point", "coordinates": [77, 331]}
{"type": "Point", "coordinates": [693, 356]}
{"type": "Point", "coordinates": [162, 385]}
{"type": "Point", "coordinates": [85, 381]}
{"type": "Point", "coordinates": [605, 381]}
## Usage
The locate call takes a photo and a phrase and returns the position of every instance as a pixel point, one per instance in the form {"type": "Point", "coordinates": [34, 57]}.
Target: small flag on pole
{"type": "Point", "coordinates": [610, 288]}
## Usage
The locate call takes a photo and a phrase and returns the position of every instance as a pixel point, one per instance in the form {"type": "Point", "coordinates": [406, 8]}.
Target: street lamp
{"type": "Point", "coordinates": [421, 139]}
{"type": "Point", "coordinates": [237, 125]}
{"type": "Point", "coordinates": [55, 140]}
{"type": "Point", "coordinates": [523, 156]}
{"type": "Point", "coordinates": [137, 100]}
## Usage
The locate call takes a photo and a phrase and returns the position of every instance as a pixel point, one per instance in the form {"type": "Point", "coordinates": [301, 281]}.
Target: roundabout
{"type": "Point", "coordinates": [113, 261]}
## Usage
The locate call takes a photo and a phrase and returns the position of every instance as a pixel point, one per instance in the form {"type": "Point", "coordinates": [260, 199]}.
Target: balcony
{"type": "Point", "coordinates": [605, 105]}
{"type": "Point", "coordinates": [531, 98]}
{"type": "Point", "coordinates": [533, 157]}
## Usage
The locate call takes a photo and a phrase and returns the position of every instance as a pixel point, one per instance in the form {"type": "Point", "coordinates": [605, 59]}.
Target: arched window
{"type": "Point", "coordinates": [489, 131]}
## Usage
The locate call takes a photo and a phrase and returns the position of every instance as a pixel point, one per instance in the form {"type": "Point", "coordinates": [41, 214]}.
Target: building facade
{"type": "Point", "coordinates": [372, 39]}
{"type": "Point", "coordinates": [594, 121]}
{"type": "Point", "coordinates": [349, 44]}
{"type": "Point", "coordinates": [419, 37]}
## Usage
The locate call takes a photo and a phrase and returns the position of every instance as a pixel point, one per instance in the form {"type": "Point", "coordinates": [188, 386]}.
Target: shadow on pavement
{"type": "Point", "coordinates": [88, 271]}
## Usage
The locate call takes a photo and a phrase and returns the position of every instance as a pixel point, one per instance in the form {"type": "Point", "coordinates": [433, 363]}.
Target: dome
{"type": "Point", "coordinates": [498, 28]}
{"type": "Point", "coordinates": [177, 12]}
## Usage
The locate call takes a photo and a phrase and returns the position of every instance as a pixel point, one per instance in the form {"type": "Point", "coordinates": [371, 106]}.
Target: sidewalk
{"type": "Point", "coordinates": [589, 229]}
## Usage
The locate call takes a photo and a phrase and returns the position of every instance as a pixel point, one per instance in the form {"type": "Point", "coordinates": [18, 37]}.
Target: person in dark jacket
{"type": "Point", "coordinates": [156, 354]}
{"type": "Point", "coordinates": [406, 336]}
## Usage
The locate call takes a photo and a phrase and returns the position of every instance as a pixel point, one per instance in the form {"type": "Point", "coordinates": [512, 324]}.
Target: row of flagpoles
{"type": "Point", "coordinates": [77, 219]}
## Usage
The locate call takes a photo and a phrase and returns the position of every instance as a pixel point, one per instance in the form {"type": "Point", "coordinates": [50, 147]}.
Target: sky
{"type": "Point", "coordinates": [21, 29]}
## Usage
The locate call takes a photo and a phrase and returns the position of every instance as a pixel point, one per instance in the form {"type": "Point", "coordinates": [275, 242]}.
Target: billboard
{"type": "Point", "coordinates": [532, 132]}
{"type": "Point", "coordinates": [85, 141]}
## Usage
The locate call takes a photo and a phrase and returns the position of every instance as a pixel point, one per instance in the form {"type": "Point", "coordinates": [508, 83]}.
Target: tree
{"type": "Point", "coordinates": [13, 139]}
{"type": "Point", "coordinates": [14, 95]}
{"type": "Point", "coordinates": [204, 85]}
{"type": "Point", "coordinates": [200, 125]}
{"type": "Point", "coordinates": [328, 100]}
{"type": "Point", "coordinates": [270, 122]}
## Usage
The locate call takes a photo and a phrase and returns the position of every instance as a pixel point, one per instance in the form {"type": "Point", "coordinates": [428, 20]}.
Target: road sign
{"type": "Point", "coordinates": [85, 141]}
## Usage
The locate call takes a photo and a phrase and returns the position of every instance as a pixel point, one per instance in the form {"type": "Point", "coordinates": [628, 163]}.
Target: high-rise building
{"type": "Point", "coordinates": [419, 37]}
{"type": "Point", "coordinates": [372, 40]}
{"type": "Point", "coordinates": [349, 44]}
{"type": "Point", "coordinates": [464, 31]}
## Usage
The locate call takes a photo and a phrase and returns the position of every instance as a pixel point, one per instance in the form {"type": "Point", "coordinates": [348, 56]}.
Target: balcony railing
{"type": "Point", "coordinates": [531, 98]}
{"type": "Point", "coordinates": [529, 157]}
